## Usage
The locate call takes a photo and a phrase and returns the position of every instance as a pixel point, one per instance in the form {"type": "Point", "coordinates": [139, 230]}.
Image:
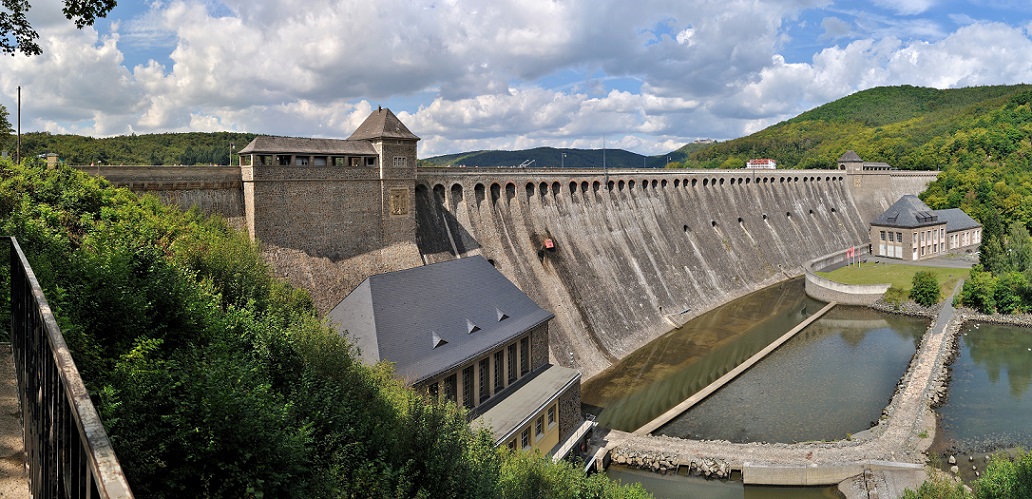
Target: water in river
{"type": "Point", "coordinates": [675, 486]}
{"type": "Point", "coordinates": [671, 368]}
{"type": "Point", "coordinates": [831, 379]}
{"type": "Point", "coordinates": [990, 399]}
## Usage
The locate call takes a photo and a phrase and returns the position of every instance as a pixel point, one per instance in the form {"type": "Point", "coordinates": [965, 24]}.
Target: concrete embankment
{"type": "Point", "coordinates": [639, 251]}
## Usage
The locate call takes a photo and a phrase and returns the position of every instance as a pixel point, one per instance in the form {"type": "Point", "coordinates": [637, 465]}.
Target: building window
{"type": "Point", "coordinates": [319, 161]}
{"type": "Point", "coordinates": [301, 160]}
{"type": "Point", "coordinates": [525, 438]}
{"type": "Point", "coordinates": [467, 387]}
{"type": "Point", "coordinates": [338, 161]}
{"type": "Point", "coordinates": [899, 237]}
{"type": "Point", "coordinates": [512, 444]}
{"type": "Point", "coordinates": [283, 160]}
{"type": "Point", "coordinates": [512, 363]}
{"type": "Point", "coordinates": [524, 356]}
{"type": "Point", "coordinates": [432, 390]}
{"type": "Point", "coordinates": [499, 373]}
{"type": "Point", "coordinates": [370, 161]}
{"type": "Point", "coordinates": [400, 161]}
{"type": "Point", "coordinates": [356, 162]}
{"type": "Point", "coordinates": [551, 416]}
{"type": "Point", "coordinates": [449, 388]}
{"type": "Point", "coordinates": [891, 238]}
{"type": "Point", "coordinates": [539, 426]}
{"type": "Point", "coordinates": [883, 235]}
{"type": "Point", "coordinates": [485, 379]}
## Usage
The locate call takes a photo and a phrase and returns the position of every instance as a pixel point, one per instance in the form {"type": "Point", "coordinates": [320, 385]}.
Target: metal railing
{"type": "Point", "coordinates": [68, 451]}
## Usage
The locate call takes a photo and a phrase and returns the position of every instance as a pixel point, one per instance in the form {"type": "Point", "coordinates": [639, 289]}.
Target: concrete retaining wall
{"type": "Point", "coordinates": [819, 288]}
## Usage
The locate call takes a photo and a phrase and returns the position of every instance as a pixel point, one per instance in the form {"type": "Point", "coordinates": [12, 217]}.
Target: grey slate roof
{"type": "Point", "coordinates": [956, 219]}
{"type": "Point", "coordinates": [907, 212]}
{"type": "Point", "coordinates": [266, 144]}
{"type": "Point", "coordinates": [382, 124]}
{"type": "Point", "coordinates": [850, 155]}
{"type": "Point", "coordinates": [421, 318]}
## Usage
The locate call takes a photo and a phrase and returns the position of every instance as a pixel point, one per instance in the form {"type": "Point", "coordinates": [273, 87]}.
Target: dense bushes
{"type": "Point", "coordinates": [1004, 478]}
{"type": "Point", "coordinates": [214, 379]}
{"type": "Point", "coordinates": [925, 290]}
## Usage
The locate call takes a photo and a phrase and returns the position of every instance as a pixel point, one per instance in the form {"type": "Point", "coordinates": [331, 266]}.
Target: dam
{"type": "Point", "coordinates": [636, 253]}
{"type": "Point", "coordinates": [620, 257]}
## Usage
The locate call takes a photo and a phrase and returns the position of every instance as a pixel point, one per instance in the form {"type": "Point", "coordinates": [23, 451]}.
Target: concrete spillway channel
{"type": "Point", "coordinates": [701, 395]}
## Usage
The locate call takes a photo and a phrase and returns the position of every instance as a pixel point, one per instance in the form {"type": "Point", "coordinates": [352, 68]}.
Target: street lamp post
{"type": "Point", "coordinates": [562, 160]}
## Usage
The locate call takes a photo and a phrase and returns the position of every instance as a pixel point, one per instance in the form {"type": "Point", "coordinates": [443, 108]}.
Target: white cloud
{"type": "Point", "coordinates": [906, 7]}
{"type": "Point", "coordinates": [513, 73]}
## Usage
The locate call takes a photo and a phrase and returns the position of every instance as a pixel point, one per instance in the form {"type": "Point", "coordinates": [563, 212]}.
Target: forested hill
{"type": "Point", "coordinates": [552, 157]}
{"type": "Point", "coordinates": [193, 148]}
{"type": "Point", "coordinates": [904, 126]}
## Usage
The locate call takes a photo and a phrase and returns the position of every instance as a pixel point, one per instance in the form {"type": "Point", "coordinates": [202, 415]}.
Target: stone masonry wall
{"type": "Point", "coordinates": [640, 249]}
{"type": "Point", "coordinates": [569, 412]}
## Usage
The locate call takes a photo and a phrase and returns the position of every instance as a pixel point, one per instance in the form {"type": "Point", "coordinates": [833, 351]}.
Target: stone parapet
{"type": "Point", "coordinates": [820, 288]}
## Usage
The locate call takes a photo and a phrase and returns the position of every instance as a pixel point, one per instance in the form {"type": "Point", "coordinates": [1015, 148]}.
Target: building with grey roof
{"type": "Point", "coordinates": [910, 230]}
{"type": "Point", "coordinates": [851, 162]}
{"type": "Point", "coordinates": [459, 330]}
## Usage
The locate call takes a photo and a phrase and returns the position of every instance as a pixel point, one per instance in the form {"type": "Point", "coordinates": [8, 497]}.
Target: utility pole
{"type": "Point", "coordinates": [605, 172]}
{"type": "Point", "coordinates": [17, 150]}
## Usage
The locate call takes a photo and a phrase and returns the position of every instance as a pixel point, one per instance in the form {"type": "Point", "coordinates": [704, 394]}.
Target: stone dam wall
{"type": "Point", "coordinates": [637, 252]}
{"type": "Point", "coordinates": [212, 189]}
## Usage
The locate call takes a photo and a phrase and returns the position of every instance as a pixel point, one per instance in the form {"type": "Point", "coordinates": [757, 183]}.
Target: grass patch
{"type": "Point", "coordinates": [900, 276]}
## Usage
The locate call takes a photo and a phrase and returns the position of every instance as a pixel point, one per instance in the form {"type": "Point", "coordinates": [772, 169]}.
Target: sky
{"type": "Point", "coordinates": [646, 76]}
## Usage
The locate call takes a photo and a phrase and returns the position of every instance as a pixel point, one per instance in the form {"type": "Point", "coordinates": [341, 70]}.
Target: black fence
{"type": "Point", "coordinates": [68, 451]}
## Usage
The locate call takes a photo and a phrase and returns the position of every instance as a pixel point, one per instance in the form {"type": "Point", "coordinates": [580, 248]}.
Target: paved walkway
{"type": "Point", "coordinates": [899, 441]}
{"type": "Point", "coordinates": [13, 480]}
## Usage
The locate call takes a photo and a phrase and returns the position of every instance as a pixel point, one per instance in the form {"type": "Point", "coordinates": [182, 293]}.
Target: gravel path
{"type": "Point", "coordinates": [13, 480]}
{"type": "Point", "coordinates": [902, 435]}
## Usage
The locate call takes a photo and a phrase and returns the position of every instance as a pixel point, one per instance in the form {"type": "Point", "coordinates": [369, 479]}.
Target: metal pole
{"type": "Point", "coordinates": [605, 172]}
{"type": "Point", "coordinates": [17, 151]}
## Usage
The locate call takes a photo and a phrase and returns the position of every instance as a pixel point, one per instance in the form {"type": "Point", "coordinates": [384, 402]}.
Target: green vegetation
{"type": "Point", "coordinates": [907, 127]}
{"type": "Point", "coordinates": [1003, 478]}
{"type": "Point", "coordinates": [900, 276]}
{"type": "Point", "coordinates": [925, 288]}
{"type": "Point", "coordinates": [552, 157]}
{"type": "Point", "coordinates": [215, 379]}
{"type": "Point", "coordinates": [1003, 282]}
{"type": "Point", "coordinates": [194, 148]}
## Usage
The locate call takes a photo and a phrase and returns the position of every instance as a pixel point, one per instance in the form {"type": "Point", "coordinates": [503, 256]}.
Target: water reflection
{"type": "Point", "coordinates": [671, 368]}
{"type": "Point", "coordinates": [989, 401]}
{"type": "Point", "coordinates": [675, 486]}
{"type": "Point", "coordinates": [831, 379]}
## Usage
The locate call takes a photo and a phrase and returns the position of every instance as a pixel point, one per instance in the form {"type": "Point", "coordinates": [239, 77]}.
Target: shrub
{"type": "Point", "coordinates": [925, 290]}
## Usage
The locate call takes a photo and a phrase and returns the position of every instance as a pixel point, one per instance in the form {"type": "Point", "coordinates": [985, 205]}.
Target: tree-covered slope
{"type": "Point", "coordinates": [215, 379]}
{"type": "Point", "coordinates": [552, 157]}
{"type": "Point", "coordinates": [890, 124]}
{"type": "Point", "coordinates": [193, 148]}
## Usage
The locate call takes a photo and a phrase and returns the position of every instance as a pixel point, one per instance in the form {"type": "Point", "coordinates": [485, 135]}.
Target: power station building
{"type": "Point", "coordinates": [910, 230]}
{"type": "Point", "coordinates": [460, 331]}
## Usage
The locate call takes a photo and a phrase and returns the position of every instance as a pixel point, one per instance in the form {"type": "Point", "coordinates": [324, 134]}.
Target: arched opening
{"type": "Point", "coordinates": [687, 229]}
{"type": "Point", "coordinates": [788, 214]}
{"type": "Point", "coordinates": [662, 184]}
{"type": "Point", "coordinates": [530, 189]}
{"type": "Point", "coordinates": [705, 182]}
{"type": "Point", "coordinates": [542, 189]}
{"type": "Point", "coordinates": [556, 188]}
{"type": "Point", "coordinates": [584, 186]}
{"type": "Point", "coordinates": [573, 188]}
{"type": "Point", "coordinates": [713, 223]}
{"type": "Point", "coordinates": [456, 194]}
{"type": "Point", "coordinates": [620, 185]}
{"type": "Point", "coordinates": [496, 192]}
{"type": "Point", "coordinates": [510, 191]}
{"type": "Point", "coordinates": [478, 193]}
{"type": "Point", "coordinates": [630, 185]}
{"type": "Point", "coordinates": [694, 181]}
{"type": "Point", "coordinates": [677, 182]}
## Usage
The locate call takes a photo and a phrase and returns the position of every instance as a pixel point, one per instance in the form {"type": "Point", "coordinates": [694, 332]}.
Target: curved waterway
{"type": "Point", "coordinates": [990, 395]}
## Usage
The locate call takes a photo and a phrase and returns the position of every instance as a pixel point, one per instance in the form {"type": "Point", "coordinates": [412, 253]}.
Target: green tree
{"type": "Point", "coordinates": [1006, 478]}
{"type": "Point", "coordinates": [18, 35]}
{"type": "Point", "coordinates": [925, 290]}
{"type": "Point", "coordinates": [979, 290]}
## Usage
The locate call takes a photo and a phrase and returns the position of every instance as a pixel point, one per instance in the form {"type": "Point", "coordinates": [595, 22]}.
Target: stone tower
{"type": "Point", "coordinates": [333, 198]}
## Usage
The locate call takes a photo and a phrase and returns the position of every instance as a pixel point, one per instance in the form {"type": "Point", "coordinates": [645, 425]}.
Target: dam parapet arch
{"type": "Point", "coordinates": [821, 288]}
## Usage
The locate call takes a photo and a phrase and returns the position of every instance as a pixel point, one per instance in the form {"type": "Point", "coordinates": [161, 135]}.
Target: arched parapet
{"type": "Point", "coordinates": [824, 289]}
